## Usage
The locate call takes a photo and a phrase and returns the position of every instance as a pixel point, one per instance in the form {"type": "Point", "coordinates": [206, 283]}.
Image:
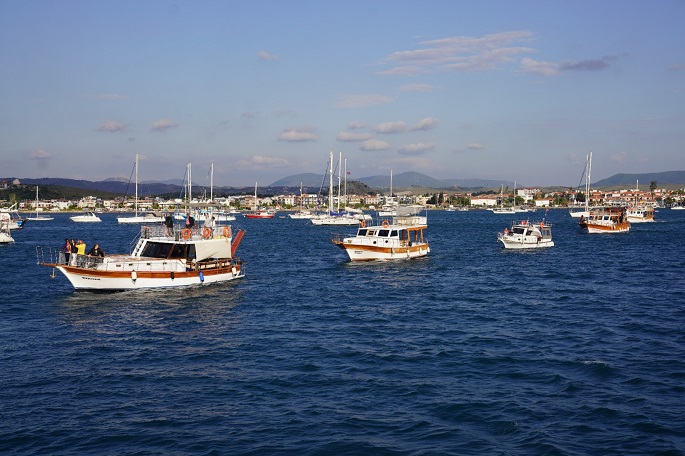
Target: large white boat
{"type": "Point", "coordinates": [159, 259]}
{"type": "Point", "coordinates": [527, 235]}
{"type": "Point", "coordinates": [86, 217]}
{"type": "Point", "coordinates": [397, 240]}
{"type": "Point", "coordinates": [5, 234]}
{"type": "Point", "coordinates": [606, 220]}
{"type": "Point", "coordinates": [333, 216]}
{"type": "Point", "coordinates": [39, 217]}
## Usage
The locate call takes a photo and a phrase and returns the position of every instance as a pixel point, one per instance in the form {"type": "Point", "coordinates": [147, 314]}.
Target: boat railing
{"type": "Point", "coordinates": [545, 223]}
{"type": "Point", "coordinates": [52, 255]}
{"type": "Point", "coordinates": [183, 234]}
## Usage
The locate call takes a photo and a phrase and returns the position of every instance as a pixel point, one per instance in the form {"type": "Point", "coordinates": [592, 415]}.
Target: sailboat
{"type": "Point", "coordinates": [38, 217]}
{"type": "Point", "coordinates": [389, 209]}
{"type": "Point", "coordinates": [334, 217]}
{"type": "Point", "coordinates": [501, 209]}
{"type": "Point", "coordinates": [259, 213]}
{"type": "Point", "coordinates": [301, 213]}
{"type": "Point", "coordinates": [144, 218]}
{"type": "Point", "coordinates": [585, 213]}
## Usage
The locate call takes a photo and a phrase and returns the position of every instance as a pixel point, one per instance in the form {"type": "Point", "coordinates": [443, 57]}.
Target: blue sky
{"type": "Point", "coordinates": [265, 89]}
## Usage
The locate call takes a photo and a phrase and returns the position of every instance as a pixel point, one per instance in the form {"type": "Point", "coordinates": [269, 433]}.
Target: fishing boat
{"type": "Point", "coordinates": [397, 240]}
{"type": "Point", "coordinates": [140, 218]}
{"type": "Point", "coordinates": [606, 220]}
{"type": "Point", "coordinates": [585, 212]}
{"type": "Point", "coordinates": [38, 217]}
{"type": "Point", "coordinates": [525, 234]}
{"type": "Point", "coordinates": [161, 258]}
{"type": "Point", "coordinates": [258, 213]}
{"type": "Point", "coordinates": [640, 214]}
{"type": "Point", "coordinates": [5, 234]}
{"type": "Point", "coordinates": [501, 209]}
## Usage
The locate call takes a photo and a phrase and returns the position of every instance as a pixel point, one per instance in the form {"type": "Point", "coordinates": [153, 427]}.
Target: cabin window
{"type": "Point", "coordinates": [393, 233]}
{"type": "Point", "coordinates": [383, 233]}
{"type": "Point", "coordinates": [362, 232]}
{"type": "Point", "coordinates": [179, 251]}
{"type": "Point", "coordinates": [156, 250]}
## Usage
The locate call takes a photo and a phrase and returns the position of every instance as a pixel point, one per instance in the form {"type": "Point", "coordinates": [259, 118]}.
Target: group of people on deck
{"type": "Point", "coordinates": [189, 223]}
{"type": "Point", "coordinates": [74, 247]}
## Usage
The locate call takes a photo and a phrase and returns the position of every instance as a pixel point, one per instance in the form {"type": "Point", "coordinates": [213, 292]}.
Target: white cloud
{"type": "Point", "coordinates": [475, 146]}
{"type": "Point", "coordinates": [618, 157]}
{"type": "Point", "coordinates": [391, 127]}
{"type": "Point", "coordinates": [263, 55]}
{"type": "Point", "coordinates": [298, 134]}
{"type": "Point", "coordinates": [460, 53]}
{"type": "Point", "coordinates": [531, 66]}
{"type": "Point", "coordinates": [354, 125]}
{"type": "Point", "coordinates": [427, 123]}
{"type": "Point", "coordinates": [111, 126]}
{"type": "Point", "coordinates": [40, 154]}
{"type": "Point", "coordinates": [163, 125]}
{"type": "Point", "coordinates": [374, 144]}
{"type": "Point", "coordinates": [348, 136]}
{"type": "Point", "coordinates": [416, 149]}
{"type": "Point", "coordinates": [416, 88]}
{"type": "Point", "coordinates": [362, 101]}
{"type": "Point", "coordinates": [261, 162]}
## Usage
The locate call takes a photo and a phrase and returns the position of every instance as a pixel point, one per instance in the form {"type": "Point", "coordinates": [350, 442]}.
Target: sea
{"type": "Point", "coordinates": [473, 350]}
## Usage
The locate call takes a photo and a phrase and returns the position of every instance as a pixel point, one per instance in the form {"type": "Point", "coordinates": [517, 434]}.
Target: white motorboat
{"type": "Point", "coordinates": [527, 235]}
{"type": "Point", "coordinates": [14, 220]}
{"type": "Point", "coordinates": [5, 234]}
{"type": "Point", "coordinates": [160, 259]}
{"type": "Point", "coordinates": [86, 217]}
{"type": "Point", "coordinates": [397, 240]}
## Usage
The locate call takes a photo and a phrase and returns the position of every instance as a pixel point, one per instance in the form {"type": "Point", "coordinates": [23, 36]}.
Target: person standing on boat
{"type": "Point", "coordinates": [66, 248]}
{"type": "Point", "coordinates": [81, 247]}
{"type": "Point", "coordinates": [96, 251]}
{"type": "Point", "coordinates": [190, 221]}
{"type": "Point", "coordinates": [169, 224]}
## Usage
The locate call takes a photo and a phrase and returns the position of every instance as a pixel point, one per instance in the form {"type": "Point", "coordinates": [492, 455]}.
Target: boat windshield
{"type": "Point", "coordinates": [166, 250]}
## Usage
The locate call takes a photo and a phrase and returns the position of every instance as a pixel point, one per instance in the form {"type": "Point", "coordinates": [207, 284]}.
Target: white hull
{"type": "Point", "coordinates": [633, 219]}
{"type": "Point", "coordinates": [526, 242]}
{"type": "Point", "coordinates": [6, 238]}
{"type": "Point", "coordinates": [338, 221]}
{"type": "Point", "coordinates": [598, 229]}
{"type": "Point", "coordinates": [504, 211]}
{"type": "Point", "coordinates": [359, 252]}
{"type": "Point", "coordinates": [579, 214]}
{"type": "Point", "coordinates": [93, 280]}
{"type": "Point", "coordinates": [84, 219]}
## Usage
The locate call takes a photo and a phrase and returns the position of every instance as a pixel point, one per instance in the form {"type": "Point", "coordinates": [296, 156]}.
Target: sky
{"type": "Point", "coordinates": [502, 90]}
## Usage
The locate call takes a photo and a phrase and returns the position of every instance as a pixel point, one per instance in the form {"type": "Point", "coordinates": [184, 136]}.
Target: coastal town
{"type": "Point", "coordinates": [532, 197]}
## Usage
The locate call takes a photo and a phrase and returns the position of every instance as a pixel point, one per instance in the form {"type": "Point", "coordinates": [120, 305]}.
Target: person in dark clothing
{"type": "Point", "coordinates": [66, 248]}
{"type": "Point", "coordinates": [96, 251]}
{"type": "Point", "coordinates": [169, 225]}
{"type": "Point", "coordinates": [190, 221]}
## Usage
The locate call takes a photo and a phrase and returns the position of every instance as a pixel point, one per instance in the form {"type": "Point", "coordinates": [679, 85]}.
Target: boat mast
{"type": "Point", "coordinates": [255, 196]}
{"type": "Point", "coordinates": [211, 183]}
{"type": "Point", "coordinates": [587, 182]}
{"type": "Point", "coordinates": [330, 185]}
{"type": "Point", "coordinates": [339, 168]}
{"type": "Point", "coordinates": [345, 182]}
{"type": "Point", "coordinates": [136, 203]}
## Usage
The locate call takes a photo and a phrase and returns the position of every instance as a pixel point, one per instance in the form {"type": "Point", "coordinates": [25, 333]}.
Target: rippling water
{"type": "Point", "coordinates": [579, 349]}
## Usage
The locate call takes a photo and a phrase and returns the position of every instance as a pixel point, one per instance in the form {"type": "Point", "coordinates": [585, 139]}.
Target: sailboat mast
{"type": "Point", "coordinates": [339, 168]}
{"type": "Point", "coordinates": [587, 182]}
{"type": "Point", "coordinates": [136, 203]}
{"type": "Point", "coordinates": [211, 183]}
{"type": "Point", "coordinates": [330, 184]}
{"type": "Point", "coordinates": [345, 182]}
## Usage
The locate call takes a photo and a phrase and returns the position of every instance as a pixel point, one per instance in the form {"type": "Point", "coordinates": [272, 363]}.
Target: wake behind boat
{"type": "Point", "coordinates": [400, 240]}
{"type": "Point", "coordinates": [161, 258]}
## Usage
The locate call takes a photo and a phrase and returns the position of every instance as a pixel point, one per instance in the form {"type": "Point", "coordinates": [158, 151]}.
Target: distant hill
{"type": "Point", "coordinates": [662, 179]}
{"type": "Point", "coordinates": [399, 181]}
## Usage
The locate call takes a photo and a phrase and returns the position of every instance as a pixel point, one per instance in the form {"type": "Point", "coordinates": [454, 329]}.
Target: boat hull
{"type": "Point", "coordinates": [360, 252]}
{"type": "Point", "coordinates": [599, 229]}
{"type": "Point", "coordinates": [521, 244]}
{"type": "Point", "coordinates": [84, 279]}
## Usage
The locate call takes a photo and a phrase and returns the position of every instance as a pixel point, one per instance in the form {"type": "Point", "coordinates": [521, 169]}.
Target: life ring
{"type": "Point", "coordinates": [542, 224]}
{"type": "Point", "coordinates": [227, 231]}
{"type": "Point", "coordinates": [385, 224]}
{"type": "Point", "coordinates": [363, 224]}
{"type": "Point", "coordinates": [186, 233]}
{"type": "Point", "coordinates": [206, 232]}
